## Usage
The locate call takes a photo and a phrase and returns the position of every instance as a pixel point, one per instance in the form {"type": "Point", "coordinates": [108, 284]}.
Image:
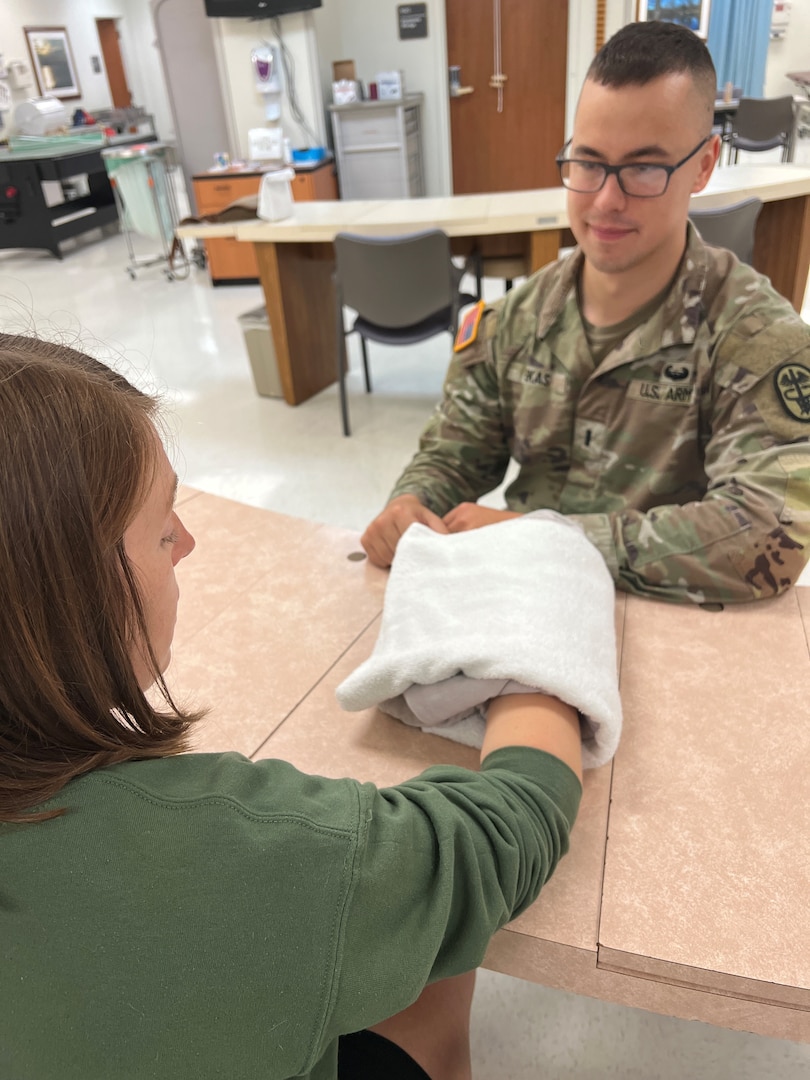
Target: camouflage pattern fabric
{"type": "Point", "coordinates": [685, 455]}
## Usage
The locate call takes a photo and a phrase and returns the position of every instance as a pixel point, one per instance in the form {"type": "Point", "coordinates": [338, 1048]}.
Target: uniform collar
{"type": "Point", "coordinates": [676, 321]}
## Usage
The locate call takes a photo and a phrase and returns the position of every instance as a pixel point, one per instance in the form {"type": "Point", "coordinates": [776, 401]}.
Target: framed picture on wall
{"type": "Point", "coordinates": [692, 16]}
{"type": "Point", "coordinates": [52, 60]}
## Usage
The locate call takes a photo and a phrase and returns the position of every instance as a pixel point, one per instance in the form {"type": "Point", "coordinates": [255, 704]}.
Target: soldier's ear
{"type": "Point", "coordinates": [707, 160]}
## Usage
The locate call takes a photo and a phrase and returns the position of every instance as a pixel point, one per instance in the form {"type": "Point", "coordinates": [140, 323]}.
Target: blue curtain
{"type": "Point", "coordinates": [739, 34]}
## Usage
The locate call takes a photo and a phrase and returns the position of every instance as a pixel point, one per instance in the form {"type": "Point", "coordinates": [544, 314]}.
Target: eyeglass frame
{"type": "Point", "coordinates": [616, 170]}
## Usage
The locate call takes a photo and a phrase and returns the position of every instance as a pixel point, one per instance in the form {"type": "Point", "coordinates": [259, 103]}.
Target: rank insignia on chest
{"type": "Point", "coordinates": [792, 385]}
{"type": "Point", "coordinates": [468, 331]}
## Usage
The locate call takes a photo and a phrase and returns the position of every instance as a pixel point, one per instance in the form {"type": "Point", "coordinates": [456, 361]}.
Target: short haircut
{"type": "Point", "coordinates": [643, 51]}
{"type": "Point", "coordinates": [79, 454]}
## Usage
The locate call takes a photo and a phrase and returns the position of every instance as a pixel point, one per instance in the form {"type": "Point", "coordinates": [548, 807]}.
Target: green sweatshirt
{"type": "Point", "coordinates": [205, 916]}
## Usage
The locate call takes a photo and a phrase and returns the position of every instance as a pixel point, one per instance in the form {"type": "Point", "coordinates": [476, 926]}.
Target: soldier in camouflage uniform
{"type": "Point", "coordinates": [676, 434]}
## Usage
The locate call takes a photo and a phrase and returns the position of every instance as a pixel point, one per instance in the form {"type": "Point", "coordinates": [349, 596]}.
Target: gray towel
{"type": "Point", "coordinates": [527, 602]}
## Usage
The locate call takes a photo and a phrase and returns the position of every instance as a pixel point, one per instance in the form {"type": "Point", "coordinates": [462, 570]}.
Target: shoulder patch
{"type": "Point", "coordinates": [468, 331]}
{"type": "Point", "coordinates": [792, 385]}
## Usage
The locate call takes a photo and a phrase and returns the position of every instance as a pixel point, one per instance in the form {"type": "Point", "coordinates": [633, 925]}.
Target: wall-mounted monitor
{"type": "Point", "coordinates": [256, 9]}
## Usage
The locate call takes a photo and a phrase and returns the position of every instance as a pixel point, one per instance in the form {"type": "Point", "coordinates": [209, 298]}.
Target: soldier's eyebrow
{"type": "Point", "coordinates": [651, 151]}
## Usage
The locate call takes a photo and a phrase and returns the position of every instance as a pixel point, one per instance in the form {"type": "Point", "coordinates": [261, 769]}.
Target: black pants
{"type": "Point", "coordinates": [365, 1055]}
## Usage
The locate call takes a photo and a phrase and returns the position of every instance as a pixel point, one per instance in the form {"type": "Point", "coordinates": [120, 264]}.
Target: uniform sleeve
{"type": "Point", "coordinates": [447, 859]}
{"type": "Point", "coordinates": [749, 537]}
{"type": "Point", "coordinates": [463, 451]}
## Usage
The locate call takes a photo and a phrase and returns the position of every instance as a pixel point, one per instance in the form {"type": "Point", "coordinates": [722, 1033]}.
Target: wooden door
{"type": "Point", "coordinates": [511, 150]}
{"type": "Point", "coordinates": [113, 63]}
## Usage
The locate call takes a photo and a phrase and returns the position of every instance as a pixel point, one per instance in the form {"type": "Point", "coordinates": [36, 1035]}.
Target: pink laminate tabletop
{"type": "Point", "coordinates": [268, 604]}
{"type": "Point", "coordinates": [707, 876]}
{"type": "Point", "coordinates": [686, 888]}
{"type": "Point", "coordinates": [370, 746]}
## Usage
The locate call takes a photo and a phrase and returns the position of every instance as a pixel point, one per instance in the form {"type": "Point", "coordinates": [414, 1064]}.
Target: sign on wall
{"type": "Point", "coordinates": [412, 21]}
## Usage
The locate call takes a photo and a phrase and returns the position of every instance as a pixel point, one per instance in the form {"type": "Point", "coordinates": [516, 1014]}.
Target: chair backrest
{"type": "Point", "coordinates": [763, 118]}
{"type": "Point", "coordinates": [730, 227]}
{"type": "Point", "coordinates": [395, 281]}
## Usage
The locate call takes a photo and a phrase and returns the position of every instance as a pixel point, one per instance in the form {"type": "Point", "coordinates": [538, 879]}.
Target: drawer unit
{"type": "Point", "coordinates": [229, 260]}
{"type": "Point", "coordinates": [232, 261]}
{"type": "Point", "coordinates": [378, 145]}
{"type": "Point", "coordinates": [376, 127]}
{"type": "Point", "coordinates": [216, 193]}
{"type": "Point", "coordinates": [376, 174]}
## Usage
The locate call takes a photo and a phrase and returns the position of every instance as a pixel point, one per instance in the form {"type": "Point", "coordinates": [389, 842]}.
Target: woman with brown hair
{"type": "Point", "coordinates": [172, 915]}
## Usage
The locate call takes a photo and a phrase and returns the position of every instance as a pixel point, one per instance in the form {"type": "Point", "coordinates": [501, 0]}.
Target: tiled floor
{"type": "Point", "coordinates": [182, 339]}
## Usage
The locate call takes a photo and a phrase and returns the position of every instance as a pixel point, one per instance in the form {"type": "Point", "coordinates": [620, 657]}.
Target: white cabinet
{"type": "Point", "coordinates": [378, 147]}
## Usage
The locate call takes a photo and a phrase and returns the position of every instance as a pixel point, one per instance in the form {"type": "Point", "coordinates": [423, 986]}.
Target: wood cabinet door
{"type": "Point", "coordinates": [230, 260]}
{"type": "Point", "coordinates": [215, 193]}
{"type": "Point", "coordinates": [512, 150]}
{"type": "Point", "coordinates": [318, 183]}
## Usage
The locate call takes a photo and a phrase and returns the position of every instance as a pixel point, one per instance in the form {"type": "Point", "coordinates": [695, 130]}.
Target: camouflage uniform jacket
{"type": "Point", "coordinates": [685, 455]}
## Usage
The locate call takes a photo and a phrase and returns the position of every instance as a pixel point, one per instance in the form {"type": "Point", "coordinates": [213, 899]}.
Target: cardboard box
{"type": "Point", "coordinates": [343, 69]}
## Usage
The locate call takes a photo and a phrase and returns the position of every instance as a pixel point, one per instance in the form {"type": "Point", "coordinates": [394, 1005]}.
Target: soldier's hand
{"type": "Point", "coordinates": [382, 536]}
{"type": "Point", "coordinates": [468, 516]}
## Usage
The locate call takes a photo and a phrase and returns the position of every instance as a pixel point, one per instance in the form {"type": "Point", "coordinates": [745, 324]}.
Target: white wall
{"type": "Point", "coordinates": [79, 18]}
{"type": "Point", "coordinates": [582, 43]}
{"type": "Point", "coordinates": [326, 21]}
{"type": "Point", "coordinates": [84, 43]}
{"type": "Point", "coordinates": [142, 62]}
{"type": "Point", "coordinates": [790, 53]}
{"type": "Point", "coordinates": [244, 104]}
{"type": "Point", "coordinates": [362, 30]}
{"type": "Point", "coordinates": [367, 32]}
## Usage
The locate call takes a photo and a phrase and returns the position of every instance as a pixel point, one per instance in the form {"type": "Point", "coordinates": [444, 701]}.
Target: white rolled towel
{"type": "Point", "coordinates": [526, 604]}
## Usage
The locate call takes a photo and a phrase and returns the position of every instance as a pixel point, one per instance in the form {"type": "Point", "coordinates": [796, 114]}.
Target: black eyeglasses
{"type": "Point", "coordinates": [640, 181]}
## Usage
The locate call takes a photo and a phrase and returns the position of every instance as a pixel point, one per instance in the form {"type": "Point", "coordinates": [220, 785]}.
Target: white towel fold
{"type": "Point", "coordinates": [528, 601]}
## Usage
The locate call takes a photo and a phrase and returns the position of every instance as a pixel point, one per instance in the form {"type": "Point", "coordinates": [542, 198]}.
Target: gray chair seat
{"type": "Point", "coordinates": [740, 143]}
{"type": "Point", "coordinates": [404, 335]}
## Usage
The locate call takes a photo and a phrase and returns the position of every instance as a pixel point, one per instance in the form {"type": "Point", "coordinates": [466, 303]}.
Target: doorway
{"type": "Point", "coordinates": [507, 139]}
{"type": "Point", "coordinates": [113, 63]}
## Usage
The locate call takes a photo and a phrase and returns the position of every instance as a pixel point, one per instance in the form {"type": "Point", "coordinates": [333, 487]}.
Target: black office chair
{"type": "Point", "coordinates": [762, 124]}
{"type": "Point", "coordinates": [404, 289]}
{"type": "Point", "coordinates": [730, 227]}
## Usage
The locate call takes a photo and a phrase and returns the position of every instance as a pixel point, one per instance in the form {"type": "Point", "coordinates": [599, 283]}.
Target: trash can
{"type": "Point", "coordinates": [260, 349]}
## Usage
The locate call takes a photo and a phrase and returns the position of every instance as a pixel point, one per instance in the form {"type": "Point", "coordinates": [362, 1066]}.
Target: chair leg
{"type": "Point", "coordinates": [365, 363]}
{"type": "Point", "coordinates": [342, 362]}
{"type": "Point", "coordinates": [342, 358]}
{"type": "Point", "coordinates": [508, 283]}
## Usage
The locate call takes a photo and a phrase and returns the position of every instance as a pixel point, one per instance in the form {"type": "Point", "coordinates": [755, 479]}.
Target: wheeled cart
{"type": "Point", "coordinates": [146, 204]}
